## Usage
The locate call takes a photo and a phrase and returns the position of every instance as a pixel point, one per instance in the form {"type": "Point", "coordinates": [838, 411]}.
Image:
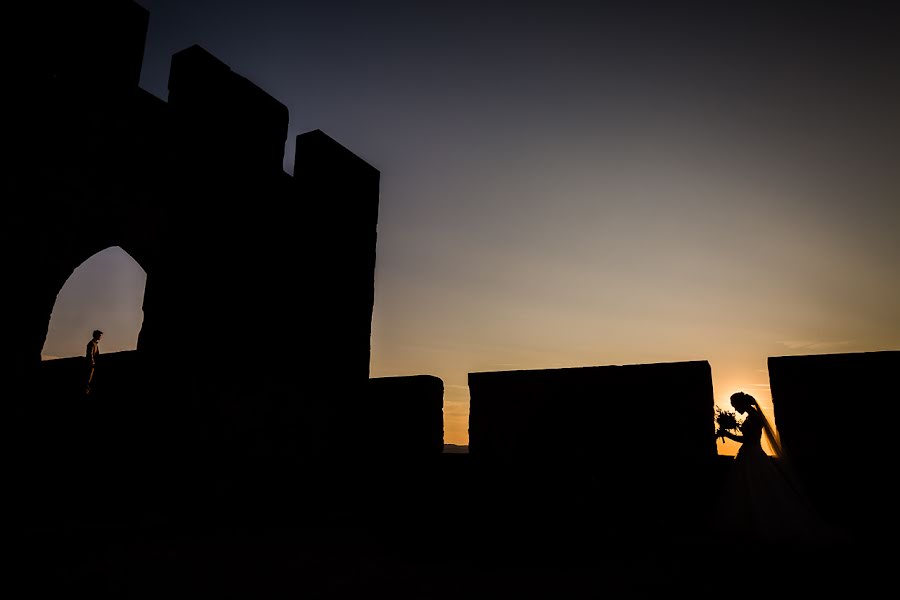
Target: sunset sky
{"type": "Point", "coordinates": [575, 184]}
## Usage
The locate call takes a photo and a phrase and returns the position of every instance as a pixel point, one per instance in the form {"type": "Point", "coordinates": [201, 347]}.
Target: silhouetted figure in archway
{"type": "Point", "coordinates": [92, 351]}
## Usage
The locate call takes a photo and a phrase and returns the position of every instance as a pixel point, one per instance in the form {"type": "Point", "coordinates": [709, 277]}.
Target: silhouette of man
{"type": "Point", "coordinates": [91, 353]}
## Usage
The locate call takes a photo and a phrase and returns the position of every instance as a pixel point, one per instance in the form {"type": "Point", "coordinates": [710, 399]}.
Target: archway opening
{"type": "Point", "coordinates": [105, 292]}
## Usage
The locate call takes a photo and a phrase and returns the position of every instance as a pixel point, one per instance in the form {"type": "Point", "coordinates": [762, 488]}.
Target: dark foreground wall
{"type": "Point", "coordinates": [594, 413]}
{"type": "Point", "coordinates": [245, 262]}
{"type": "Point", "coordinates": [404, 416]}
{"type": "Point", "coordinates": [625, 439]}
{"type": "Point", "coordinates": [835, 415]}
{"type": "Point", "coordinates": [127, 453]}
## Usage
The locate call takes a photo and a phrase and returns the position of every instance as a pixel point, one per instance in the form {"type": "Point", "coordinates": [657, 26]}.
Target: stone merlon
{"type": "Point", "coordinates": [204, 93]}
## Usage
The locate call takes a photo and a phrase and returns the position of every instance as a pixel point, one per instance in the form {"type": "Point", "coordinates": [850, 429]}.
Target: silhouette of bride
{"type": "Point", "coordinates": [761, 502]}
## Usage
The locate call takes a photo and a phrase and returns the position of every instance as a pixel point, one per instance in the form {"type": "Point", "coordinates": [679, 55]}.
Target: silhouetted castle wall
{"type": "Point", "coordinates": [272, 275]}
{"type": "Point", "coordinates": [594, 413]}
{"type": "Point", "coordinates": [405, 415]}
{"type": "Point", "coordinates": [835, 418]}
{"type": "Point", "coordinates": [126, 444]}
{"type": "Point", "coordinates": [624, 436]}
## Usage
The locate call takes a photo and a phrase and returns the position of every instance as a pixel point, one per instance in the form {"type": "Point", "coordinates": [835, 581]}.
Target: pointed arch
{"type": "Point", "coordinates": [104, 292]}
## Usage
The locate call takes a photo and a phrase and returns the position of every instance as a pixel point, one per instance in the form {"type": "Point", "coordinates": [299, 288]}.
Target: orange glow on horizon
{"type": "Point", "coordinates": [456, 403]}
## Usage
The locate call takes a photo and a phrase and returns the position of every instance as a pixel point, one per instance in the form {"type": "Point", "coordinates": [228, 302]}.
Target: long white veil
{"type": "Point", "coordinates": [771, 433]}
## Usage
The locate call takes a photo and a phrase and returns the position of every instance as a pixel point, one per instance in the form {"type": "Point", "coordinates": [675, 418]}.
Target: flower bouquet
{"type": "Point", "coordinates": [727, 420]}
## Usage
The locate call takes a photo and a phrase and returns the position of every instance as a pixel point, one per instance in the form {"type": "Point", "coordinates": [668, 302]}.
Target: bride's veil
{"type": "Point", "coordinates": [771, 433]}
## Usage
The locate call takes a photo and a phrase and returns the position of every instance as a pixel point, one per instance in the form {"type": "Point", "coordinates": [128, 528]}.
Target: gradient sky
{"type": "Point", "coordinates": [573, 184]}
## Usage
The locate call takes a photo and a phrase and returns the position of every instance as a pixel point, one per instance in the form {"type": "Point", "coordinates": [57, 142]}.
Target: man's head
{"type": "Point", "coordinates": [97, 334]}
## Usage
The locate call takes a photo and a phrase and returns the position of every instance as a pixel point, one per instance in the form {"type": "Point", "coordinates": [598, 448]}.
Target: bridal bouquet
{"type": "Point", "coordinates": [727, 420]}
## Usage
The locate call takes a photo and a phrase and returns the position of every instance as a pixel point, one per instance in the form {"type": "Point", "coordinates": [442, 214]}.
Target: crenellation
{"type": "Point", "coordinates": [195, 190]}
{"type": "Point", "coordinates": [225, 115]}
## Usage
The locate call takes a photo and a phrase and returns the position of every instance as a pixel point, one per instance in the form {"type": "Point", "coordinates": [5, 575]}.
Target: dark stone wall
{"type": "Point", "coordinates": [338, 193]}
{"type": "Point", "coordinates": [834, 415]}
{"type": "Point", "coordinates": [340, 233]}
{"type": "Point", "coordinates": [405, 415]}
{"type": "Point", "coordinates": [633, 440]}
{"type": "Point", "coordinates": [88, 45]}
{"type": "Point", "coordinates": [390, 468]}
{"type": "Point", "coordinates": [77, 151]}
{"type": "Point", "coordinates": [594, 413]}
{"type": "Point", "coordinates": [252, 268]}
{"type": "Point", "coordinates": [226, 120]}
